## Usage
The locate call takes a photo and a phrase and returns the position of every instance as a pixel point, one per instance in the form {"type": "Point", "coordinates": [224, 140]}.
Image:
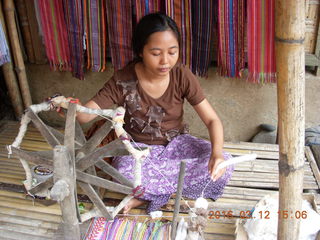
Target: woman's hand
{"type": "Point", "coordinates": [212, 166]}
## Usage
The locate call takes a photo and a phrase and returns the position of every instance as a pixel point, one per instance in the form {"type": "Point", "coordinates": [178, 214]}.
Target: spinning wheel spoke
{"type": "Point", "coordinates": [107, 168]}
{"type": "Point", "coordinates": [95, 199]}
{"type": "Point", "coordinates": [33, 157]}
{"type": "Point", "coordinates": [96, 139]}
{"type": "Point", "coordinates": [43, 129]}
{"type": "Point", "coordinates": [100, 182]}
{"type": "Point", "coordinates": [114, 148]}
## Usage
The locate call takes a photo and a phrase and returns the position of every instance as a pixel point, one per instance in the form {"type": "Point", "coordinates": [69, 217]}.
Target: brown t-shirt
{"type": "Point", "coordinates": [149, 120]}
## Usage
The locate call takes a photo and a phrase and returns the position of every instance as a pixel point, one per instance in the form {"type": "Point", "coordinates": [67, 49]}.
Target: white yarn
{"type": "Point", "coordinates": [181, 233]}
{"type": "Point", "coordinates": [156, 214]}
{"type": "Point", "coordinates": [236, 160]}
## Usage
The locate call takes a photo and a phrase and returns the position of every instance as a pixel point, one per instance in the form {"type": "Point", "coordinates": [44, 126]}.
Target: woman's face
{"type": "Point", "coordinates": [160, 53]}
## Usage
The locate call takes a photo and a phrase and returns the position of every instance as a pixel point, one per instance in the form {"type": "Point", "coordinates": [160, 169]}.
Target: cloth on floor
{"type": "Point", "coordinates": [125, 229]}
{"type": "Point", "coordinates": [160, 171]}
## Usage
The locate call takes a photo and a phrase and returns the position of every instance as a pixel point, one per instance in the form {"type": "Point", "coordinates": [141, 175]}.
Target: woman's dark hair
{"type": "Point", "coordinates": [149, 24]}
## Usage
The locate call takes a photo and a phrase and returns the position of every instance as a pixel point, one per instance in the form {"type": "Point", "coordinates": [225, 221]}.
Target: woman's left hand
{"type": "Point", "coordinates": [212, 166]}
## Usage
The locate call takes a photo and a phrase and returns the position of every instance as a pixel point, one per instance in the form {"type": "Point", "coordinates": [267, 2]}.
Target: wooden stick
{"type": "Point", "coordinates": [107, 168]}
{"type": "Point", "coordinates": [115, 148]}
{"type": "Point", "coordinates": [24, 24]}
{"type": "Point", "coordinates": [87, 178]}
{"type": "Point", "coordinates": [178, 198]}
{"type": "Point", "coordinates": [96, 139]}
{"type": "Point", "coordinates": [43, 128]}
{"type": "Point", "coordinates": [16, 52]}
{"type": "Point", "coordinates": [91, 193]}
{"type": "Point", "coordinates": [290, 60]}
{"type": "Point", "coordinates": [32, 157]}
{"type": "Point", "coordinates": [65, 171]}
{"type": "Point", "coordinates": [79, 136]}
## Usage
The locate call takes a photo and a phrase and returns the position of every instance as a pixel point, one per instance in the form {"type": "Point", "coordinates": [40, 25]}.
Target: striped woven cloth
{"type": "Point", "coordinates": [4, 49]}
{"type": "Point", "coordinates": [231, 30]}
{"type": "Point", "coordinates": [180, 11]}
{"type": "Point", "coordinates": [54, 31]}
{"type": "Point", "coordinates": [96, 34]}
{"type": "Point", "coordinates": [261, 52]}
{"type": "Point", "coordinates": [144, 7]}
{"type": "Point", "coordinates": [75, 27]}
{"type": "Point", "coordinates": [125, 229]}
{"type": "Point", "coordinates": [202, 29]}
{"type": "Point", "coordinates": [119, 19]}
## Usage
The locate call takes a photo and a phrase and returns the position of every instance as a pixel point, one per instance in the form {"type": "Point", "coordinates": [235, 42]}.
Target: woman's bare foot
{"type": "Point", "coordinates": [132, 204]}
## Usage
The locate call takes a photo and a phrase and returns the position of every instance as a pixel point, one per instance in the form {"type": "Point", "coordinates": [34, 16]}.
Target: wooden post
{"type": "Point", "coordinates": [25, 27]}
{"type": "Point", "coordinates": [16, 52]}
{"type": "Point", "coordinates": [64, 180]}
{"type": "Point", "coordinates": [11, 80]}
{"type": "Point", "coordinates": [177, 200]}
{"type": "Point", "coordinates": [290, 57]}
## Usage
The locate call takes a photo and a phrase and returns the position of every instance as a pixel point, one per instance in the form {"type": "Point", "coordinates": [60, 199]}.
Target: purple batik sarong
{"type": "Point", "coordinates": [160, 171]}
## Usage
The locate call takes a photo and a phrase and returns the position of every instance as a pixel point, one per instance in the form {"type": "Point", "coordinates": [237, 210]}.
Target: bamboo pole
{"type": "Point", "coordinates": [25, 27]}
{"type": "Point", "coordinates": [290, 56]}
{"type": "Point", "coordinates": [11, 80]}
{"type": "Point", "coordinates": [16, 52]}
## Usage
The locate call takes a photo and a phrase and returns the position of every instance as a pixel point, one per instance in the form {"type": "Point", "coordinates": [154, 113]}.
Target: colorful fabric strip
{"type": "Point", "coordinates": [4, 49]}
{"type": "Point", "coordinates": [119, 19]}
{"type": "Point", "coordinates": [96, 34]}
{"type": "Point", "coordinates": [202, 29]}
{"type": "Point", "coordinates": [180, 11]}
{"type": "Point", "coordinates": [231, 24]}
{"type": "Point", "coordinates": [144, 7]}
{"type": "Point", "coordinates": [75, 27]}
{"type": "Point", "coordinates": [55, 34]}
{"type": "Point", "coordinates": [125, 229]}
{"type": "Point", "coordinates": [261, 52]}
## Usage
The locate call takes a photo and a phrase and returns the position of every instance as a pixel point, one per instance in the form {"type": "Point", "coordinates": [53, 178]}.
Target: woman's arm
{"type": "Point", "coordinates": [84, 117]}
{"type": "Point", "coordinates": [215, 129]}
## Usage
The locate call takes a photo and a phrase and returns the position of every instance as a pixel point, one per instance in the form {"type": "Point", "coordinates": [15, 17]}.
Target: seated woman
{"type": "Point", "coordinates": [152, 89]}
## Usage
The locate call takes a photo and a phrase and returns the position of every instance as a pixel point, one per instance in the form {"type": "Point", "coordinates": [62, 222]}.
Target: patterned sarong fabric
{"type": "Point", "coordinates": [96, 34]}
{"type": "Point", "coordinates": [4, 49]}
{"type": "Point", "coordinates": [261, 31]}
{"type": "Point", "coordinates": [231, 31]}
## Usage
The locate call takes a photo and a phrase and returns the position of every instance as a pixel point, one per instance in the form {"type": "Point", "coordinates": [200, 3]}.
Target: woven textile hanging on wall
{"type": "Point", "coordinates": [96, 34]}
{"type": "Point", "coordinates": [144, 7]}
{"type": "Point", "coordinates": [202, 33]}
{"type": "Point", "coordinates": [180, 11]}
{"type": "Point", "coordinates": [53, 26]}
{"type": "Point", "coordinates": [75, 27]}
{"type": "Point", "coordinates": [261, 52]}
{"type": "Point", "coordinates": [4, 49]}
{"type": "Point", "coordinates": [119, 19]}
{"type": "Point", "coordinates": [231, 31]}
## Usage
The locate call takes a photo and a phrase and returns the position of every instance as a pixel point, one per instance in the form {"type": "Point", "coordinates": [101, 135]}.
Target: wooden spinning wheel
{"type": "Point", "coordinates": [73, 161]}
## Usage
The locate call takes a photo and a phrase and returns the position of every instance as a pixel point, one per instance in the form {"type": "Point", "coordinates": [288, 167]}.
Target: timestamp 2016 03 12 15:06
{"type": "Point", "coordinates": [282, 214]}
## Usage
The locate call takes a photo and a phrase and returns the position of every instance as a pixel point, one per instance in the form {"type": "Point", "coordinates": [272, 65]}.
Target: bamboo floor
{"type": "Point", "coordinates": [22, 217]}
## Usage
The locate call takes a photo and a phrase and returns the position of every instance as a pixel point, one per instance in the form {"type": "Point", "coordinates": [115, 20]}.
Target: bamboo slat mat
{"type": "Point", "coordinates": [23, 218]}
